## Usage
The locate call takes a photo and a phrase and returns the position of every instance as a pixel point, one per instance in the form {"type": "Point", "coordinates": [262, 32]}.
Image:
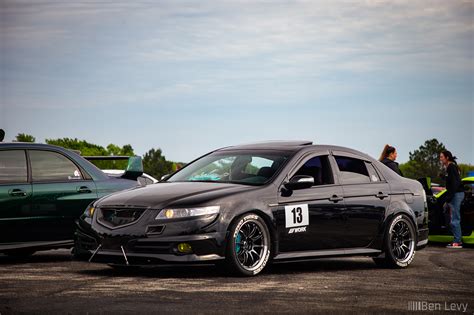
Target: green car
{"type": "Point", "coordinates": [439, 221]}
{"type": "Point", "coordinates": [44, 189]}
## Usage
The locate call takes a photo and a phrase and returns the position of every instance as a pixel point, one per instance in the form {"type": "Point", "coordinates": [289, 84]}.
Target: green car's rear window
{"type": "Point", "coordinates": [13, 167]}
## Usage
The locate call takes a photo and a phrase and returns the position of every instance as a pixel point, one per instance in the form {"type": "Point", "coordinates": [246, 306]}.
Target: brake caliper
{"type": "Point", "coordinates": [237, 243]}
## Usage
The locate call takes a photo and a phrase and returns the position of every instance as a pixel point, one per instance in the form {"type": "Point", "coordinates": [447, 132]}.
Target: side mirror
{"type": "Point", "coordinates": [134, 168]}
{"type": "Point", "coordinates": [300, 182]}
{"type": "Point", "coordinates": [141, 181]}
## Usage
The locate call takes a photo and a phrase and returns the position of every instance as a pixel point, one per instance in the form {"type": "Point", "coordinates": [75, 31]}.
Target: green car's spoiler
{"type": "Point", "coordinates": [134, 167]}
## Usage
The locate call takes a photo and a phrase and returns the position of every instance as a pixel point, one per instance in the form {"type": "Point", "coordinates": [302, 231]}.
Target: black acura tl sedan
{"type": "Point", "coordinates": [246, 206]}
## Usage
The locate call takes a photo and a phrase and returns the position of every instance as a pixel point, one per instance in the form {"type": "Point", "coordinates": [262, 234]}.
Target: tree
{"type": "Point", "coordinates": [89, 149]}
{"type": "Point", "coordinates": [155, 164]}
{"type": "Point", "coordinates": [23, 137]}
{"type": "Point", "coordinates": [424, 162]}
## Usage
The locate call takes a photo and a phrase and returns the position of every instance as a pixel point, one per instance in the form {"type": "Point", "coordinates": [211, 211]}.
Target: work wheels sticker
{"type": "Point", "coordinates": [296, 216]}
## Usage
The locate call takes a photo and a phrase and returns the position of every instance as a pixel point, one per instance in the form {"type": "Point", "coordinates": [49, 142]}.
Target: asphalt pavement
{"type": "Point", "coordinates": [438, 281]}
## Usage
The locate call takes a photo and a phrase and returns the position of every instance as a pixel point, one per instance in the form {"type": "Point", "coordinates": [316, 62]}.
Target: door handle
{"type": "Point", "coordinates": [17, 192]}
{"type": "Point", "coordinates": [336, 198]}
{"type": "Point", "coordinates": [381, 195]}
{"type": "Point", "coordinates": [83, 190]}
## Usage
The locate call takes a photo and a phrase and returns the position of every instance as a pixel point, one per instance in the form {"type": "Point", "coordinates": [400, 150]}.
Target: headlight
{"type": "Point", "coordinates": [186, 212]}
{"type": "Point", "coordinates": [89, 211]}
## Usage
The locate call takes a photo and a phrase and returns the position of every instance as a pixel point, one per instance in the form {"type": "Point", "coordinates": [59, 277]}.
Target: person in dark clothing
{"type": "Point", "coordinates": [454, 196]}
{"type": "Point", "coordinates": [388, 157]}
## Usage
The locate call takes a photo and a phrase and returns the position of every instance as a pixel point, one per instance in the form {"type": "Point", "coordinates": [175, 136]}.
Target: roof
{"type": "Point", "coordinates": [29, 145]}
{"type": "Point", "coordinates": [271, 145]}
{"type": "Point", "coordinates": [293, 146]}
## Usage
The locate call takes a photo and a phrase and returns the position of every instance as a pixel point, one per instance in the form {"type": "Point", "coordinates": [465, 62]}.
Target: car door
{"type": "Point", "coordinates": [15, 196]}
{"type": "Point", "coordinates": [311, 218]}
{"type": "Point", "coordinates": [366, 197]}
{"type": "Point", "coordinates": [61, 192]}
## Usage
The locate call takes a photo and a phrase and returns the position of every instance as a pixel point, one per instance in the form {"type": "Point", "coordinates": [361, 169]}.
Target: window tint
{"type": "Point", "coordinates": [317, 167]}
{"type": "Point", "coordinates": [352, 170]}
{"type": "Point", "coordinates": [13, 167]}
{"type": "Point", "coordinates": [374, 176]}
{"type": "Point", "coordinates": [254, 168]}
{"type": "Point", "coordinates": [52, 166]}
{"type": "Point", "coordinates": [257, 164]}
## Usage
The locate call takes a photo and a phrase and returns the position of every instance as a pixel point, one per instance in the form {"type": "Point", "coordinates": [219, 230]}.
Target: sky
{"type": "Point", "coordinates": [192, 76]}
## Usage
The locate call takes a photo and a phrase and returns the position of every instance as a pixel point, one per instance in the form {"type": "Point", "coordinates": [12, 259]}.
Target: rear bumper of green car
{"type": "Point", "coordinates": [469, 239]}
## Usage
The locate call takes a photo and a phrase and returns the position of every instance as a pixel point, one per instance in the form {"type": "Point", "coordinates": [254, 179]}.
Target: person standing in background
{"type": "Point", "coordinates": [454, 196]}
{"type": "Point", "coordinates": [388, 157]}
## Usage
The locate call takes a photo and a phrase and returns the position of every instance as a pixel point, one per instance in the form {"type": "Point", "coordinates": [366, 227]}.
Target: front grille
{"type": "Point", "coordinates": [116, 217]}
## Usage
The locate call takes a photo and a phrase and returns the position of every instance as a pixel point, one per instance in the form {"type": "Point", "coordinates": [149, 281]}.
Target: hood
{"type": "Point", "coordinates": [167, 194]}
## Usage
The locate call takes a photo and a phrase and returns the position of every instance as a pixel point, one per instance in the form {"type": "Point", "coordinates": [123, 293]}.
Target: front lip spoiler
{"type": "Point", "coordinates": [148, 259]}
{"type": "Point", "coordinates": [154, 250]}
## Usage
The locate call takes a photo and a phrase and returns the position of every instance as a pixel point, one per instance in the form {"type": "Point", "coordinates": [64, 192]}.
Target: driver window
{"type": "Point", "coordinates": [318, 167]}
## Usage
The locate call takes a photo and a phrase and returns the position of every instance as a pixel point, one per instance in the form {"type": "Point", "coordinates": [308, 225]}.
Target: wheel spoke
{"type": "Point", "coordinates": [246, 257]}
{"type": "Point", "coordinates": [252, 242]}
{"type": "Point", "coordinates": [397, 252]}
{"type": "Point", "coordinates": [252, 231]}
{"type": "Point", "coordinates": [256, 237]}
{"type": "Point", "coordinates": [255, 252]}
{"type": "Point", "coordinates": [401, 240]}
{"type": "Point", "coordinates": [245, 231]}
{"type": "Point", "coordinates": [252, 259]}
{"type": "Point", "coordinates": [402, 251]}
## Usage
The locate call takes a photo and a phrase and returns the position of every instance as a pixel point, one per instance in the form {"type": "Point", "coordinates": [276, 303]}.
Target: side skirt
{"type": "Point", "coordinates": [291, 256]}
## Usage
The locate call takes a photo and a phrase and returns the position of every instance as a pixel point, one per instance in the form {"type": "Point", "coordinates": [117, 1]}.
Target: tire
{"type": "Point", "coordinates": [399, 243]}
{"type": "Point", "coordinates": [248, 246]}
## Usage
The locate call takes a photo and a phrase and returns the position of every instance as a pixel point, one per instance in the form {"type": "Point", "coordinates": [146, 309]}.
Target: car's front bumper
{"type": "Point", "coordinates": [147, 250]}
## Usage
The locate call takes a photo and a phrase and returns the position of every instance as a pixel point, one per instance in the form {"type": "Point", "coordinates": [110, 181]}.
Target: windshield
{"type": "Point", "coordinates": [250, 168]}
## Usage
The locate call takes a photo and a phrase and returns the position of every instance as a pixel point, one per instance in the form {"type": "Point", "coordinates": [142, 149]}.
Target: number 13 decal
{"type": "Point", "coordinates": [296, 215]}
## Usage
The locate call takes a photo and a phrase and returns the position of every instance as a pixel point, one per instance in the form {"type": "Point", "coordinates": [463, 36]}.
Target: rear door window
{"type": "Point", "coordinates": [13, 167]}
{"type": "Point", "coordinates": [352, 170]}
{"type": "Point", "coordinates": [374, 176]}
{"type": "Point", "coordinates": [52, 166]}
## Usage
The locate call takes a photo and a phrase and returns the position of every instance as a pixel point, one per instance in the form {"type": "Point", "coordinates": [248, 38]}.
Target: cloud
{"type": "Point", "coordinates": [168, 51]}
